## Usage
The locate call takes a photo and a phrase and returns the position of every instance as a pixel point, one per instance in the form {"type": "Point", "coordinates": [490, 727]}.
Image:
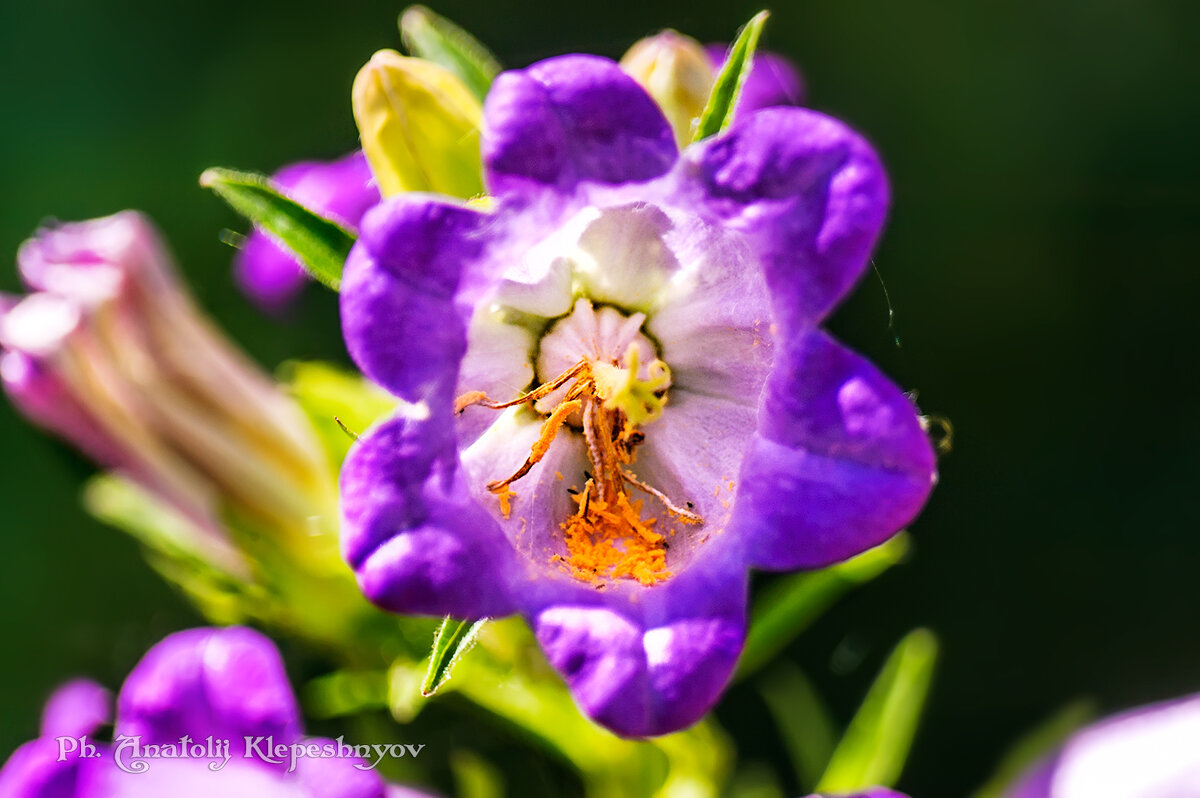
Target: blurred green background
{"type": "Point", "coordinates": [1041, 260]}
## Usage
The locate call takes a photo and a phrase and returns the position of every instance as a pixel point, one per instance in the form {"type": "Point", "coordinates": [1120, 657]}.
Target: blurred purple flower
{"type": "Point", "coordinates": [227, 683]}
{"type": "Point", "coordinates": [694, 419]}
{"type": "Point", "coordinates": [1150, 752]}
{"type": "Point", "coordinates": [341, 190]}
{"type": "Point", "coordinates": [773, 81]}
{"type": "Point", "coordinates": [109, 352]}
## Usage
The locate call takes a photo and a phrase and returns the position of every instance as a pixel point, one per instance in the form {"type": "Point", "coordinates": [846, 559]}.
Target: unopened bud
{"type": "Point", "coordinates": [419, 126]}
{"type": "Point", "coordinates": [677, 73]}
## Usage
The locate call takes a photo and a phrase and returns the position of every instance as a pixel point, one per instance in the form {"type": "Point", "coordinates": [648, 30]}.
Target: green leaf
{"type": "Point", "coordinates": [1034, 745]}
{"type": "Point", "coordinates": [321, 245]}
{"type": "Point", "coordinates": [877, 742]}
{"type": "Point", "coordinates": [790, 604]}
{"type": "Point", "coordinates": [453, 640]}
{"type": "Point", "coordinates": [804, 723]}
{"type": "Point", "coordinates": [437, 39]}
{"type": "Point", "coordinates": [718, 113]}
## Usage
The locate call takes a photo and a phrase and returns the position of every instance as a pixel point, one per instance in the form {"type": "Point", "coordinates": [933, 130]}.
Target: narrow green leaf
{"type": "Point", "coordinates": [1035, 745]}
{"type": "Point", "coordinates": [453, 640]}
{"type": "Point", "coordinates": [321, 245]}
{"type": "Point", "coordinates": [437, 39]}
{"type": "Point", "coordinates": [805, 727]}
{"type": "Point", "coordinates": [718, 113]}
{"type": "Point", "coordinates": [877, 742]}
{"type": "Point", "coordinates": [789, 605]}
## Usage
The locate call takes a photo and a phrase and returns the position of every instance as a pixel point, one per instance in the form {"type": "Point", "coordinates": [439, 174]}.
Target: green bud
{"type": "Point", "coordinates": [419, 126]}
{"type": "Point", "coordinates": [677, 73]}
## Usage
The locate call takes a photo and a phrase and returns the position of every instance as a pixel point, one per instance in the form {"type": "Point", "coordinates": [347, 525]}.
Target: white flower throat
{"type": "Point", "coordinates": [608, 382]}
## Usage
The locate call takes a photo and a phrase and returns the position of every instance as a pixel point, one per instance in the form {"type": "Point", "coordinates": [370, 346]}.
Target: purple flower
{"type": "Point", "coordinates": [773, 81]}
{"type": "Point", "coordinates": [341, 190]}
{"type": "Point", "coordinates": [1150, 752]}
{"type": "Point", "coordinates": [688, 417]}
{"type": "Point", "coordinates": [225, 683]}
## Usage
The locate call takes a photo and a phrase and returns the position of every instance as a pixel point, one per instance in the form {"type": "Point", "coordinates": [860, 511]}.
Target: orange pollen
{"type": "Point", "coordinates": [607, 538]}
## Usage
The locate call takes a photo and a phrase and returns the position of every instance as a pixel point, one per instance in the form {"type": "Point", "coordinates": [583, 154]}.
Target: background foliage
{"type": "Point", "coordinates": [1040, 260]}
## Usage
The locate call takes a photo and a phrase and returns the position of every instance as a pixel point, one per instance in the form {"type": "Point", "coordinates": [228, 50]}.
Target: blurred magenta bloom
{"type": "Point", "coordinates": [340, 190]}
{"type": "Point", "coordinates": [1150, 752]}
{"type": "Point", "coordinates": [688, 418]}
{"type": "Point", "coordinates": [773, 81]}
{"type": "Point", "coordinates": [108, 351]}
{"type": "Point", "coordinates": [227, 683]}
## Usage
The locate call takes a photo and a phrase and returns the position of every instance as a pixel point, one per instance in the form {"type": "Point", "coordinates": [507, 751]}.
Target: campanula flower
{"type": "Point", "coordinates": [1148, 752]}
{"type": "Point", "coordinates": [227, 684]}
{"type": "Point", "coordinates": [340, 190]}
{"type": "Point", "coordinates": [618, 396]}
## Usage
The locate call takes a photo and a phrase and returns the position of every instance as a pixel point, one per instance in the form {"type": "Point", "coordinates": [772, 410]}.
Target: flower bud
{"type": "Point", "coordinates": [419, 126]}
{"type": "Point", "coordinates": [677, 73]}
{"type": "Point", "coordinates": [112, 355]}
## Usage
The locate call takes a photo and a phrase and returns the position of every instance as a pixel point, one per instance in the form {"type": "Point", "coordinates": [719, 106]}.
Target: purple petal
{"type": "Point", "coordinates": [33, 771]}
{"type": "Point", "coordinates": [659, 664]}
{"type": "Point", "coordinates": [773, 81]}
{"type": "Point", "coordinates": [571, 119]}
{"type": "Point", "coordinates": [810, 195]}
{"type": "Point", "coordinates": [1149, 752]}
{"type": "Point", "coordinates": [337, 777]}
{"type": "Point", "coordinates": [268, 273]}
{"type": "Point", "coordinates": [225, 682]}
{"type": "Point", "coordinates": [77, 708]}
{"type": "Point", "coordinates": [190, 778]}
{"type": "Point", "coordinates": [840, 464]}
{"type": "Point", "coordinates": [397, 297]}
{"type": "Point", "coordinates": [342, 190]}
{"type": "Point", "coordinates": [88, 261]}
{"type": "Point", "coordinates": [417, 540]}
{"type": "Point", "coordinates": [43, 399]}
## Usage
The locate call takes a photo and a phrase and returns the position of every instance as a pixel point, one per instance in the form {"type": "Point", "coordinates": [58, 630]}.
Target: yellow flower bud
{"type": "Point", "coordinates": [419, 126]}
{"type": "Point", "coordinates": [677, 73]}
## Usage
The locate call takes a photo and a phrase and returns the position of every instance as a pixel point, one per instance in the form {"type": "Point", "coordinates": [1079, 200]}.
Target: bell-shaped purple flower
{"type": "Point", "coordinates": [1149, 752]}
{"type": "Point", "coordinates": [341, 190]}
{"type": "Point", "coordinates": [223, 684]}
{"type": "Point", "coordinates": [619, 396]}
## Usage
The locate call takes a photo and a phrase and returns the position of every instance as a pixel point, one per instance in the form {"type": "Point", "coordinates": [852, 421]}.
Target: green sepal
{"type": "Point", "coordinates": [437, 39]}
{"type": "Point", "coordinates": [320, 244]}
{"type": "Point", "coordinates": [718, 112]}
{"type": "Point", "coordinates": [453, 640]}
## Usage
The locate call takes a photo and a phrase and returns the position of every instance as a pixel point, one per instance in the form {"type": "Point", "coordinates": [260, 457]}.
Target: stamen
{"type": "Point", "coordinates": [480, 398]}
{"type": "Point", "coordinates": [687, 515]}
{"type": "Point", "coordinates": [607, 537]}
{"type": "Point", "coordinates": [541, 445]}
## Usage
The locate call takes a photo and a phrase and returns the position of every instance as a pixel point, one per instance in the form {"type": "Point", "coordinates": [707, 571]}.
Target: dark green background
{"type": "Point", "coordinates": [1041, 260]}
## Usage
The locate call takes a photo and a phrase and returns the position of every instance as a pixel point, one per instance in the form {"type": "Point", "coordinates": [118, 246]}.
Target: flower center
{"type": "Point", "coordinates": [608, 382]}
